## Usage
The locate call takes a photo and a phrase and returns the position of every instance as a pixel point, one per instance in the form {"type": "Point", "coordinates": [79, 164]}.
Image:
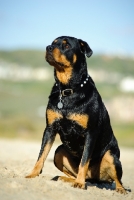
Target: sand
{"type": "Point", "coordinates": [17, 159]}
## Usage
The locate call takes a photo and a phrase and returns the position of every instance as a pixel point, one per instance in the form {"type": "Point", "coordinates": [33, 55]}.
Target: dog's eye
{"type": "Point", "coordinates": [67, 46]}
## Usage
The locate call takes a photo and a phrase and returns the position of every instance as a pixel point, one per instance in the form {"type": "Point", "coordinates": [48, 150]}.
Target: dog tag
{"type": "Point", "coordinates": [60, 105]}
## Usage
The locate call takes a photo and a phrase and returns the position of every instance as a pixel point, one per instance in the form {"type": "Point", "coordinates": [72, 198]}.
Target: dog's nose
{"type": "Point", "coordinates": [50, 48]}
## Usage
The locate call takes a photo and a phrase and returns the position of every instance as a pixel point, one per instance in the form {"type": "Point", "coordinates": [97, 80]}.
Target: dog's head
{"type": "Point", "coordinates": [66, 53]}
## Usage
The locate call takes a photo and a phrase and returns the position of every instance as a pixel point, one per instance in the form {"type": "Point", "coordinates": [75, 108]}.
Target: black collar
{"type": "Point", "coordinates": [68, 91]}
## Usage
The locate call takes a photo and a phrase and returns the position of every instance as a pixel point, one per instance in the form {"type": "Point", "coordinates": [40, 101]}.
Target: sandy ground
{"type": "Point", "coordinates": [17, 158]}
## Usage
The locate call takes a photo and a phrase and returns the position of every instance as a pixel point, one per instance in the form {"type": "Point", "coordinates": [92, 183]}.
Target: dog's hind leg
{"type": "Point", "coordinates": [65, 163]}
{"type": "Point", "coordinates": [111, 169]}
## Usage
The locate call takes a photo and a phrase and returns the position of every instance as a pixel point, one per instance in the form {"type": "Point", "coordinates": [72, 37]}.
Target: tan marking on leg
{"type": "Point", "coordinates": [52, 116]}
{"type": "Point", "coordinates": [108, 171]}
{"type": "Point", "coordinates": [65, 163]}
{"type": "Point", "coordinates": [66, 179]}
{"type": "Point", "coordinates": [40, 163]}
{"type": "Point", "coordinates": [69, 173]}
{"type": "Point", "coordinates": [106, 166]}
{"type": "Point", "coordinates": [82, 172]}
{"type": "Point", "coordinates": [81, 119]}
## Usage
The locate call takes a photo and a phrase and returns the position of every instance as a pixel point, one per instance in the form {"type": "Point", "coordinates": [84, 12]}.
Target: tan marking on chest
{"type": "Point", "coordinates": [81, 119]}
{"type": "Point", "coordinates": [82, 172]}
{"type": "Point", "coordinates": [52, 116]}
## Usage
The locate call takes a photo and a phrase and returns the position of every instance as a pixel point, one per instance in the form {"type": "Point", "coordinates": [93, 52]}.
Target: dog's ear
{"type": "Point", "coordinates": [85, 48]}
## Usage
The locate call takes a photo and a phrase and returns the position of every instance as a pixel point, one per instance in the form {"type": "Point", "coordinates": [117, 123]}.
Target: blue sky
{"type": "Point", "coordinates": [107, 26]}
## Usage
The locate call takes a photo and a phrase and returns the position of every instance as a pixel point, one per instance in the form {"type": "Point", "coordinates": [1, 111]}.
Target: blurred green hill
{"type": "Point", "coordinates": [35, 58]}
{"type": "Point", "coordinates": [25, 84]}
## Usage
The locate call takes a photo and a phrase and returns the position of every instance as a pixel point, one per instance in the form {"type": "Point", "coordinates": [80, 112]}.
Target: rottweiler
{"type": "Point", "coordinates": [75, 111]}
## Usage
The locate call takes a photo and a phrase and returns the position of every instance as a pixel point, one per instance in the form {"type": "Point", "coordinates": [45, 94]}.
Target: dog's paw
{"type": "Point", "coordinates": [121, 190]}
{"type": "Point", "coordinates": [78, 185]}
{"type": "Point", "coordinates": [32, 175]}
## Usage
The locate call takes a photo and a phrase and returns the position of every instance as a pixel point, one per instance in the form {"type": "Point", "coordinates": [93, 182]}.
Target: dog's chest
{"type": "Point", "coordinates": [67, 119]}
{"type": "Point", "coordinates": [71, 128]}
{"type": "Point", "coordinates": [72, 136]}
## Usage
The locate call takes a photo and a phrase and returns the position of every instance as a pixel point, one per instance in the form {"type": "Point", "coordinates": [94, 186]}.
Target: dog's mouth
{"type": "Point", "coordinates": [49, 58]}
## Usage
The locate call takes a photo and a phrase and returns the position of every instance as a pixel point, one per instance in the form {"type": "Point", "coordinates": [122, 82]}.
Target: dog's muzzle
{"type": "Point", "coordinates": [49, 55]}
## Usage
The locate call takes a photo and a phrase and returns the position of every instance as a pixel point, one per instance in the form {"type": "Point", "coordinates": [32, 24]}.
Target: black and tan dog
{"type": "Point", "coordinates": [76, 112]}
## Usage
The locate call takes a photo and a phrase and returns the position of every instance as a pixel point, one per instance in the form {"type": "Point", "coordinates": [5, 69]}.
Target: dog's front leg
{"type": "Point", "coordinates": [47, 141]}
{"type": "Point", "coordinates": [85, 160]}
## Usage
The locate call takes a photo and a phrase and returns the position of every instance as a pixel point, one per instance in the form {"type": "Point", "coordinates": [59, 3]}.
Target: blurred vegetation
{"type": "Point", "coordinates": [33, 58]}
{"type": "Point", "coordinates": [19, 107]}
{"type": "Point", "coordinates": [123, 65]}
{"type": "Point", "coordinates": [22, 101]}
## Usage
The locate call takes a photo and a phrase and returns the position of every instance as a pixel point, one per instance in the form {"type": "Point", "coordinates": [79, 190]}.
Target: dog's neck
{"type": "Point", "coordinates": [68, 78]}
{"type": "Point", "coordinates": [69, 89]}
{"type": "Point", "coordinates": [74, 83]}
